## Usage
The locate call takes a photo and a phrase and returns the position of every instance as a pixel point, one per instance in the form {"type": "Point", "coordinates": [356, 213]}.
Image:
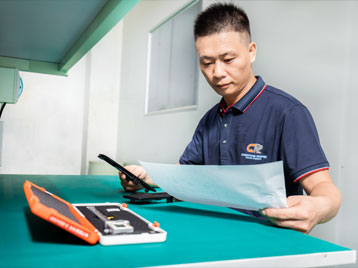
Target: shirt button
{"type": "Point", "coordinates": [225, 125]}
{"type": "Point", "coordinates": [221, 110]}
{"type": "Point", "coordinates": [224, 141]}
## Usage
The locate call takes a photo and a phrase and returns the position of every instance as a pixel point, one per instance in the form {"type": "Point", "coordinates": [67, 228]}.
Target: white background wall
{"type": "Point", "coordinates": [307, 48]}
{"type": "Point", "coordinates": [43, 131]}
{"type": "Point", "coordinates": [103, 99]}
{"type": "Point", "coordinates": [162, 137]}
{"type": "Point", "coordinates": [59, 124]}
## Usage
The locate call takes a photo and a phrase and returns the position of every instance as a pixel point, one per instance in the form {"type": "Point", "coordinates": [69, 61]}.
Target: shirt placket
{"type": "Point", "coordinates": [224, 137]}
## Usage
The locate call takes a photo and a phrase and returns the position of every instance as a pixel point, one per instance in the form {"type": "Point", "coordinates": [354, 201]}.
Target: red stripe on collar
{"type": "Point", "coordinates": [258, 95]}
{"type": "Point", "coordinates": [224, 109]}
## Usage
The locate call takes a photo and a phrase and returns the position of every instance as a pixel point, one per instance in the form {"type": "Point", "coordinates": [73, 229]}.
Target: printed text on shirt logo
{"type": "Point", "coordinates": [254, 152]}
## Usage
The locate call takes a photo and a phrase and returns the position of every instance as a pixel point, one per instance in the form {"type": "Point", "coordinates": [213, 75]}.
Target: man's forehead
{"type": "Point", "coordinates": [228, 53]}
{"type": "Point", "coordinates": [240, 36]}
{"type": "Point", "coordinates": [221, 44]}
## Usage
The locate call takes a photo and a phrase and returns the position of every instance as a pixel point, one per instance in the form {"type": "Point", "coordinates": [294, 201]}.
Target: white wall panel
{"type": "Point", "coordinates": [103, 99]}
{"type": "Point", "coordinates": [348, 218]}
{"type": "Point", "coordinates": [161, 137]}
{"type": "Point", "coordinates": [43, 130]}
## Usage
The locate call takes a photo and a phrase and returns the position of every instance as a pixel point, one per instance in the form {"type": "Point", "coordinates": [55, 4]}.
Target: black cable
{"type": "Point", "coordinates": [2, 108]}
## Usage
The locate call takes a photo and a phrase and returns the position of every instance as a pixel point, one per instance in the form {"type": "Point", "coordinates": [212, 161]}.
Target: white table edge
{"type": "Point", "coordinates": [299, 260]}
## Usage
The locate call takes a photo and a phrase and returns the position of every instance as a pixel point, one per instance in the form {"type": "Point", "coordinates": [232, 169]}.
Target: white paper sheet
{"type": "Point", "coordinates": [238, 186]}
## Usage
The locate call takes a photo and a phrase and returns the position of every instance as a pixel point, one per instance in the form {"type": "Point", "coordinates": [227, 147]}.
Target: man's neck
{"type": "Point", "coordinates": [231, 100]}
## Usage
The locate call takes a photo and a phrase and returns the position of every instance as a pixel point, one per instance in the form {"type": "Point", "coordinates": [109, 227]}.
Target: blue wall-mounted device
{"type": "Point", "coordinates": [10, 85]}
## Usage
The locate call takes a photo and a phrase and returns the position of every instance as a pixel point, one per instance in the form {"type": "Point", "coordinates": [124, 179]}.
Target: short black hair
{"type": "Point", "coordinates": [220, 17]}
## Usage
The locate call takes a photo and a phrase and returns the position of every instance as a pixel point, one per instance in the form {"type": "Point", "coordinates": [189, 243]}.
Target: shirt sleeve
{"type": "Point", "coordinates": [193, 154]}
{"type": "Point", "coordinates": [301, 150]}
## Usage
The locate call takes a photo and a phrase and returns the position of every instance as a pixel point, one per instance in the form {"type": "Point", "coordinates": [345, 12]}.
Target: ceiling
{"type": "Point", "coordinates": [50, 36]}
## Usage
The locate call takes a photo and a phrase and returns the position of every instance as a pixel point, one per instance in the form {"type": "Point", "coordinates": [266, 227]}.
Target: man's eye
{"type": "Point", "coordinates": [207, 63]}
{"type": "Point", "coordinates": [228, 60]}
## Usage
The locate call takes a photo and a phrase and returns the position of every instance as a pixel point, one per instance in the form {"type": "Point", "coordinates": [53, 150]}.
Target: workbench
{"type": "Point", "coordinates": [197, 235]}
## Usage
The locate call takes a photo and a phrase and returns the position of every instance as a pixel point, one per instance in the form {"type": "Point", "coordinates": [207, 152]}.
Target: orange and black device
{"type": "Point", "coordinates": [59, 212]}
{"type": "Point", "coordinates": [106, 223]}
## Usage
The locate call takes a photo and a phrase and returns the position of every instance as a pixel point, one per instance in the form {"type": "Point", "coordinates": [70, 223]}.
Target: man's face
{"type": "Point", "coordinates": [225, 60]}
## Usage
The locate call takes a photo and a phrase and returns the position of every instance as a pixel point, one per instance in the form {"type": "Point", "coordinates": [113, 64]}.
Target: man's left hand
{"type": "Point", "coordinates": [301, 213]}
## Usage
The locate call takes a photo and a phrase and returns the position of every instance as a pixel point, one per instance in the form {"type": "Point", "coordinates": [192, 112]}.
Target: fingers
{"type": "Point", "coordinates": [299, 215]}
{"type": "Point", "coordinates": [304, 225]}
{"type": "Point", "coordinates": [284, 213]}
{"type": "Point", "coordinates": [138, 171]}
{"type": "Point", "coordinates": [129, 186]}
{"type": "Point", "coordinates": [294, 211]}
{"type": "Point", "coordinates": [298, 225]}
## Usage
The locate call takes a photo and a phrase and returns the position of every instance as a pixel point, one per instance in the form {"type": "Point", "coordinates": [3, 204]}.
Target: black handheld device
{"type": "Point", "coordinates": [129, 176]}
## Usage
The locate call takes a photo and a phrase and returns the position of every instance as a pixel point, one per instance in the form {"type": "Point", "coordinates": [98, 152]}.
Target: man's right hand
{"type": "Point", "coordinates": [140, 172]}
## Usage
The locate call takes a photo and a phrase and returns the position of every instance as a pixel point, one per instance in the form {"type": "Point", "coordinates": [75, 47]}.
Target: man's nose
{"type": "Point", "coordinates": [219, 70]}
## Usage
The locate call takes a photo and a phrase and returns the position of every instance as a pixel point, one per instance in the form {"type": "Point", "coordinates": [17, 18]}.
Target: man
{"type": "Point", "coordinates": [256, 123]}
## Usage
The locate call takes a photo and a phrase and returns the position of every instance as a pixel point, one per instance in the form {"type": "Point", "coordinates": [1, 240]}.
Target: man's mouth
{"type": "Point", "coordinates": [223, 86]}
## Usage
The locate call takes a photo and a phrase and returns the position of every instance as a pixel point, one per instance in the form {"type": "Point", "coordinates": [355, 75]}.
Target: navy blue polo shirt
{"type": "Point", "coordinates": [265, 125]}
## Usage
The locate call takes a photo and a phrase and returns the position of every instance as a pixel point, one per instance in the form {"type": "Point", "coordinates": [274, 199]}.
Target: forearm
{"type": "Point", "coordinates": [328, 199]}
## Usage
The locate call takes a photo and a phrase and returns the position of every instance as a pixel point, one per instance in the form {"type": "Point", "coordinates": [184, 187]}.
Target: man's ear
{"type": "Point", "coordinates": [252, 51]}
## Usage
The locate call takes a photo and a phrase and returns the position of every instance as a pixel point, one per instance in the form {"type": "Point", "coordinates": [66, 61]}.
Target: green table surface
{"type": "Point", "coordinates": [196, 233]}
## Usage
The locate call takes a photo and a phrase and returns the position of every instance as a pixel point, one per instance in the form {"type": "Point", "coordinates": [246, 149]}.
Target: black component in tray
{"type": "Point", "coordinates": [145, 197]}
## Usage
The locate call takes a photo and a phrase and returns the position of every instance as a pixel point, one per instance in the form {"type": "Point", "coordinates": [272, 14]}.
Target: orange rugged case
{"type": "Point", "coordinates": [59, 212]}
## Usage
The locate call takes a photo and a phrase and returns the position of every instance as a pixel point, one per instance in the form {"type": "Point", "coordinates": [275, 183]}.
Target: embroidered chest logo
{"type": "Point", "coordinates": [254, 148]}
{"type": "Point", "coordinates": [254, 152]}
